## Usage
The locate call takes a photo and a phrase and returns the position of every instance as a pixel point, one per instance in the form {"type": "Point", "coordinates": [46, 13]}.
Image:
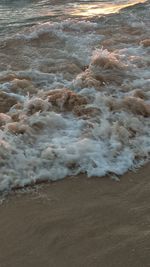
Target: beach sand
{"type": "Point", "coordinates": [79, 222]}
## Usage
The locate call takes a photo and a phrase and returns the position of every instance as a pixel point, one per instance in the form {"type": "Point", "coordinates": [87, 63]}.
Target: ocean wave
{"type": "Point", "coordinates": [74, 98]}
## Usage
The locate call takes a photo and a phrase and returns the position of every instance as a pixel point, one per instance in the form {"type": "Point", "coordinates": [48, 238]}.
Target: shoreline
{"type": "Point", "coordinates": [78, 221]}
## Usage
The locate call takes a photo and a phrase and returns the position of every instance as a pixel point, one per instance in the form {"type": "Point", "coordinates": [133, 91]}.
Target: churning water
{"type": "Point", "coordinates": [74, 89]}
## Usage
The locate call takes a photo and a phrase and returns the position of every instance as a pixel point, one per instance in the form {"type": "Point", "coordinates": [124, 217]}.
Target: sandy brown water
{"type": "Point", "coordinates": [79, 222]}
{"type": "Point", "coordinates": [74, 98]}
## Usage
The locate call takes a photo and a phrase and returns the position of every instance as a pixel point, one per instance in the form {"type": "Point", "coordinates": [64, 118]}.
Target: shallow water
{"type": "Point", "coordinates": [16, 14]}
{"type": "Point", "coordinates": [74, 89]}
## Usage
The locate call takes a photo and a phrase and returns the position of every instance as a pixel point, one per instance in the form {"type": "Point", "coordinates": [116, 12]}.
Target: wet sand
{"type": "Point", "coordinates": [79, 222]}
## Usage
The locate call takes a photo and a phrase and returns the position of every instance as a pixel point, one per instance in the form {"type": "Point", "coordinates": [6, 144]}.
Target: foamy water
{"type": "Point", "coordinates": [74, 89]}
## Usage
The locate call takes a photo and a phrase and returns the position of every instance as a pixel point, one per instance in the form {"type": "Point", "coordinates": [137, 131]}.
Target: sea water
{"type": "Point", "coordinates": [74, 89]}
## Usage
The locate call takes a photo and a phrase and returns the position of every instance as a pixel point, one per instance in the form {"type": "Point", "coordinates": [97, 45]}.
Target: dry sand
{"type": "Point", "coordinates": [79, 222]}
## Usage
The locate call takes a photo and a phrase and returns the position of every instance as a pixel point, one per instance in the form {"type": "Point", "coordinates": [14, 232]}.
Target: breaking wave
{"type": "Point", "coordinates": [74, 98]}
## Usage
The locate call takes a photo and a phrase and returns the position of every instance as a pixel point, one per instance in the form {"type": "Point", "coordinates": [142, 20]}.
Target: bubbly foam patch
{"type": "Point", "coordinates": [69, 105]}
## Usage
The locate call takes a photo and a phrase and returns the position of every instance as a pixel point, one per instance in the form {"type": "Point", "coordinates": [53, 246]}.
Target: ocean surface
{"type": "Point", "coordinates": [74, 89]}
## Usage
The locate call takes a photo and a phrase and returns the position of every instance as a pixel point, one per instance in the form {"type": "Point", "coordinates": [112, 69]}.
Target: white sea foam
{"type": "Point", "coordinates": [79, 103]}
